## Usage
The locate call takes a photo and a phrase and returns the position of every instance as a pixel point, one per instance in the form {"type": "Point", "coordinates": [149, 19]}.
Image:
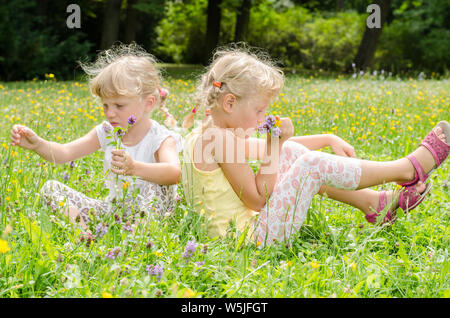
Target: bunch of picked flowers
{"type": "Point", "coordinates": [271, 126]}
{"type": "Point", "coordinates": [118, 132]}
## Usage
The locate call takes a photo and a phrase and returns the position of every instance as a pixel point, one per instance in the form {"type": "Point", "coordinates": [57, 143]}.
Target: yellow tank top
{"type": "Point", "coordinates": [211, 193]}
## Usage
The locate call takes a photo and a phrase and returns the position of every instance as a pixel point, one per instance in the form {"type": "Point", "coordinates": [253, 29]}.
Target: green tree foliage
{"type": "Point", "coordinates": [32, 45]}
{"type": "Point", "coordinates": [418, 37]}
{"type": "Point", "coordinates": [292, 34]}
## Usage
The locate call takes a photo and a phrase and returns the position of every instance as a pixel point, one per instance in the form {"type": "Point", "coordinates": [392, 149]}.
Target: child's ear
{"type": "Point", "coordinates": [229, 100]}
{"type": "Point", "coordinates": [149, 102]}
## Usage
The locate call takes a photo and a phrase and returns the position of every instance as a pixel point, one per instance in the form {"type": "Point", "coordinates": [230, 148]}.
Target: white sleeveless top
{"type": "Point", "coordinates": [143, 151]}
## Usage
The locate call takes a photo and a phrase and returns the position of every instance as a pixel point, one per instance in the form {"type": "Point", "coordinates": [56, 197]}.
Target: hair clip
{"type": "Point", "coordinates": [217, 84]}
{"type": "Point", "coordinates": [163, 92]}
{"type": "Point", "coordinates": [207, 112]}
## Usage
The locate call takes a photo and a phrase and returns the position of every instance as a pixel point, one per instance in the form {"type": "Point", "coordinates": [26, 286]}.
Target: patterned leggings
{"type": "Point", "coordinates": [153, 197]}
{"type": "Point", "coordinates": [301, 174]}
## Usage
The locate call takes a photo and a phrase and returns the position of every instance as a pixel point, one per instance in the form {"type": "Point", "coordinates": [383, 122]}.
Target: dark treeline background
{"type": "Point", "coordinates": [328, 35]}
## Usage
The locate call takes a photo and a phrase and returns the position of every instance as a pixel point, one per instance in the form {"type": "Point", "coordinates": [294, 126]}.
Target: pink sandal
{"type": "Point", "coordinates": [438, 149]}
{"type": "Point", "coordinates": [409, 196]}
{"type": "Point", "coordinates": [409, 199]}
{"type": "Point", "coordinates": [372, 218]}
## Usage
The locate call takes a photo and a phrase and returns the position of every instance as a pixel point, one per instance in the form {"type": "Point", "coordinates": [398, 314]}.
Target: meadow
{"type": "Point", "coordinates": [335, 254]}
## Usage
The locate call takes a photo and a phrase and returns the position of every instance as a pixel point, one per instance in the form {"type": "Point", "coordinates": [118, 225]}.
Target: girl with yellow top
{"type": "Point", "coordinates": [272, 204]}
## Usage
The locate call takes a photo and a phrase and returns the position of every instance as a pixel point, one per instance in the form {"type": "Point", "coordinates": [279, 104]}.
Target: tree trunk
{"type": "Point", "coordinates": [111, 21]}
{"type": "Point", "coordinates": [366, 50]}
{"type": "Point", "coordinates": [132, 22]}
{"type": "Point", "coordinates": [339, 5]}
{"type": "Point", "coordinates": [242, 20]}
{"type": "Point", "coordinates": [212, 28]}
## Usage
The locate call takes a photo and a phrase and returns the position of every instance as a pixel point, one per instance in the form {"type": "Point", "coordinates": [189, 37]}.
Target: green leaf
{"type": "Point", "coordinates": [242, 238]}
{"type": "Point", "coordinates": [38, 236]}
{"type": "Point", "coordinates": [402, 253]}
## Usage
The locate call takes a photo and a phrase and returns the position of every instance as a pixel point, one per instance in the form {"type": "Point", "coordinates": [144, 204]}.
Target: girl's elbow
{"type": "Point", "coordinates": [177, 175]}
{"type": "Point", "coordinates": [257, 205]}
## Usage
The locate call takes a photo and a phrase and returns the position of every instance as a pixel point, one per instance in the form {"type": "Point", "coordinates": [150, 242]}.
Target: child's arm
{"type": "Point", "coordinates": [253, 189]}
{"type": "Point", "coordinates": [314, 142]}
{"type": "Point", "coordinates": [166, 171]}
{"type": "Point", "coordinates": [255, 147]}
{"type": "Point", "coordinates": [51, 151]}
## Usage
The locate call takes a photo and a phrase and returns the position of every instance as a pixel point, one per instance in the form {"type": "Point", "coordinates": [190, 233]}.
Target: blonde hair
{"type": "Point", "coordinates": [239, 72]}
{"type": "Point", "coordinates": [127, 70]}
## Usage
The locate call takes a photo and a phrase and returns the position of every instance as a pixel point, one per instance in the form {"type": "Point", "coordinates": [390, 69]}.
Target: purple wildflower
{"type": "Point", "coordinates": [155, 270]}
{"type": "Point", "coordinates": [127, 227]}
{"type": "Point", "coordinates": [269, 126]}
{"type": "Point", "coordinates": [72, 164]}
{"type": "Point", "coordinates": [120, 132]}
{"type": "Point", "coordinates": [276, 132]}
{"type": "Point", "coordinates": [191, 246]}
{"type": "Point", "coordinates": [264, 128]}
{"type": "Point", "coordinates": [117, 218]}
{"type": "Point", "coordinates": [270, 119]}
{"type": "Point", "coordinates": [198, 264]}
{"type": "Point", "coordinates": [131, 120]}
{"type": "Point", "coordinates": [112, 254]}
{"type": "Point", "coordinates": [107, 127]}
{"type": "Point", "coordinates": [65, 176]}
{"type": "Point", "coordinates": [101, 230]}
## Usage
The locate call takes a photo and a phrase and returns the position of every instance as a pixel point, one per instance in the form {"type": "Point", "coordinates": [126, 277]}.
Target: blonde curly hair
{"type": "Point", "coordinates": [237, 71]}
{"type": "Point", "coordinates": [127, 70]}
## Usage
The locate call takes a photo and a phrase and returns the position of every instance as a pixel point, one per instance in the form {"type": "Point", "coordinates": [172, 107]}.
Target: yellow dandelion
{"type": "Point", "coordinates": [106, 295]}
{"type": "Point", "coordinates": [314, 265]}
{"type": "Point", "coordinates": [4, 248]}
{"type": "Point", "coordinates": [189, 293]}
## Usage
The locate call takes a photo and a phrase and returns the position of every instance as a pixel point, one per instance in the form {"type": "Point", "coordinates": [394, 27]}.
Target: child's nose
{"type": "Point", "coordinates": [109, 113]}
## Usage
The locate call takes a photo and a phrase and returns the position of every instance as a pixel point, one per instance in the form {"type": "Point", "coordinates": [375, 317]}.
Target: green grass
{"type": "Point", "coordinates": [335, 254]}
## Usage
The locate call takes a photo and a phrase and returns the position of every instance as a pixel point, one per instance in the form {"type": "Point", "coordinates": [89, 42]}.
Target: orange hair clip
{"type": "Point", "coordinates": [208, 112]}
{"type": "Point", "coordinates": [217, 84]}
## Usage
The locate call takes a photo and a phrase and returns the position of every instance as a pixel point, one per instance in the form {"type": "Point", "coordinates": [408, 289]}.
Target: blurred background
{"type": "Point", "coordinates": [328, 36]}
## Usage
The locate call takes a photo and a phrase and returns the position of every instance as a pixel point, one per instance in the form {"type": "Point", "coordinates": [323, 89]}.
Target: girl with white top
{"type": "Point", "coordinates": [128, 84]}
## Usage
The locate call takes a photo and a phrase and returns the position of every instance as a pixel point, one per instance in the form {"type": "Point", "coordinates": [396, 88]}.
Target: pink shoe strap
{"type": "Point", "coordinates": [437, 147]}
{"type": "Point", "coordinates": [420, 173]}
{"type": "Point", "coordinates": [372, 218]}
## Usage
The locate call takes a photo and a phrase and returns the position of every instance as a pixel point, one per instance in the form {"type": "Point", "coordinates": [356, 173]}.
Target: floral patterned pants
{"type": "Point", "coordinates": [153, 198]}
{"type": "Point", "coordinates": [301, 174]}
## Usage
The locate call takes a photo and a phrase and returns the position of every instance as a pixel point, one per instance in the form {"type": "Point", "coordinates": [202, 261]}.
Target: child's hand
{"type": "Point", "coordinates": [122, 163]}
{"type": "Point", "coordinates": [341, 147]}
{"type": "Point", "coordinates": [24, 137]}
{"type": "Point", "coordinates": [287, 128]}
